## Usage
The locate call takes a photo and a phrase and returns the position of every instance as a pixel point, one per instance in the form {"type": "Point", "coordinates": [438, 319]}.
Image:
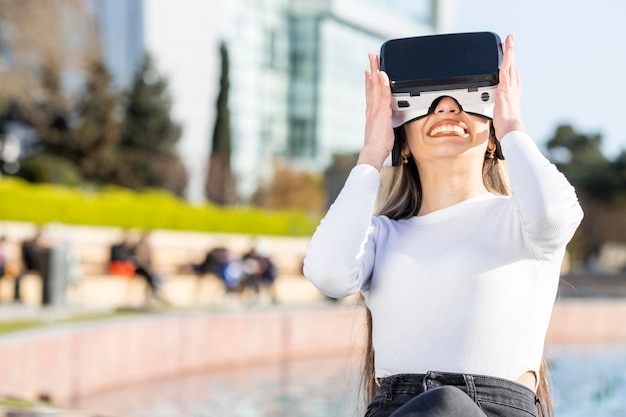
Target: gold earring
{"type": "Point", "coordinates": [405, 158]}
{"type": "Point", "coordinates": [490, 154]}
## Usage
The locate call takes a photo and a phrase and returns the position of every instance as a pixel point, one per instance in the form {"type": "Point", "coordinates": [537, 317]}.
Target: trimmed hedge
{"type": "Point", "coordinates": [150, 209]}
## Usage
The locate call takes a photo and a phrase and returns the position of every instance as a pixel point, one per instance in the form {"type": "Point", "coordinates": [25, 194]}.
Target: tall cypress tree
{"type": "Point", "coordinates": [220, 184]}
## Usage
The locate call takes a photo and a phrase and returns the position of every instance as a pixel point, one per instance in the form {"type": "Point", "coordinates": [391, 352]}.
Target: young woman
{"type": "Point", "coordinates": [459, 266]}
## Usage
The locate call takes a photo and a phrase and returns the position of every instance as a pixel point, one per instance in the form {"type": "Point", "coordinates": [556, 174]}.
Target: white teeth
{"type": "Point", "coordinates": [455, 129]}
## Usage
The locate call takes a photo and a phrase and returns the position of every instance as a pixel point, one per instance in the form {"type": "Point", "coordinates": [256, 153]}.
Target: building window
{"type": "Point", "coordinates": [301, 138]}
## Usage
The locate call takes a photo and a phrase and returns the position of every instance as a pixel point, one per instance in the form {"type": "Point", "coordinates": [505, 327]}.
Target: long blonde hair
{"type": "Point", "coordinates": [400, 197]}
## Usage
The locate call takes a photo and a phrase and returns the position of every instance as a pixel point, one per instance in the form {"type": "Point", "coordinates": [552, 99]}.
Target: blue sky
{"type": "Point", "coordinates": [572, 60]}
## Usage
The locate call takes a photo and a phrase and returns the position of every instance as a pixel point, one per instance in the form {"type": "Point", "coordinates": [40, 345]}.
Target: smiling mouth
{"type": "Point", "coordinates": [447, 129]}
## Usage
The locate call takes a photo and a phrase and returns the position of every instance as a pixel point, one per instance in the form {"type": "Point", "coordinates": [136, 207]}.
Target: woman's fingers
{"type": "Point", "coordinates": [508, 70]}
{"type": "Point", "coordinates": [385, 90]}
{"type": "Point", "coordinates": [371, 81]}
{"type": "Point", "coordinates": [368, 89]}
{"type": "Point", "coordinates": [512, 75]}
{"type": "Point", "coordinates": [378, 127]}
{"type": "Point", "coordinates": [507, 111]}
{"type": "Point", "coordinates": [507, 50]}
{"type": "Point", "coordinates": [377, 92]}
{"type": "Point", "coordinates": [375, 76]}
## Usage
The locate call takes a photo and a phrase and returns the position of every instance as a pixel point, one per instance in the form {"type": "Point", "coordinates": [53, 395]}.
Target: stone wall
{"type": "Point", "coordinates": [74, 360]}
{"type": "Point", "coordinates": [66, 362]}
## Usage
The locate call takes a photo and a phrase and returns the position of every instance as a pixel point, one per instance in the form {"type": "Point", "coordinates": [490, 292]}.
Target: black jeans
{"type": "Point", "coordinates": [439, 394]}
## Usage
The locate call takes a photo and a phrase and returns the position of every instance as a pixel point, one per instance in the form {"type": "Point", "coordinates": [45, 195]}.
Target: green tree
{"type": "Point", "coordinates": [579, 157]}
{"type": "Point", "coordinates": [49, 116]}
{"type": "Point", "coordinates": [619, 165]}
{"type": "Point", "coordinates": [91, 135]}
{"type": "Point", "coordinates": [220, 185]}
{"type": "Point", "coordinates": [601, 187]}
{"type": "Point", "coordinates": [39, 37]}
{"type": "Point", "coordinates": [39, 59]}
{"type": "Point", "coordinates": [85, 150]}
{"type": "Point", "coordinates": [94, 142]}
{"type": "Point", "coordinates": [148, 156]}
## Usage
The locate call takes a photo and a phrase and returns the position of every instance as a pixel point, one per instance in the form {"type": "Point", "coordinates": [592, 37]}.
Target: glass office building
{"type": "Point", "coordinates": [330, 42]}
{"type": "Point", "coordinates": [296, 73]}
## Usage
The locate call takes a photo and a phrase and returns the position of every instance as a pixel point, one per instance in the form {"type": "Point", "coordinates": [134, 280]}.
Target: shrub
{"type": "Point", "coordinates": [149, 209]}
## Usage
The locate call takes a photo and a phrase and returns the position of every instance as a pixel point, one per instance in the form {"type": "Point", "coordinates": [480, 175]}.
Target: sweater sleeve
{"type": "Point", "coordinates": [340, 254]}
{"type": "Point", "coordinates": [546, 201]}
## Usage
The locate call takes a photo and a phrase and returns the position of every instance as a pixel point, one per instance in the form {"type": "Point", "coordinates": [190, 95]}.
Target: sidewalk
{"type": "Point", "coordinates": [106, 295]}
{"type": "Point", "coordinates": [21, 312]}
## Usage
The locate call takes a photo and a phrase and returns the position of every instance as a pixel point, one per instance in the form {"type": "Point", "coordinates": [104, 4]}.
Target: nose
{"type": "Point", "coordinates": [447, 105]}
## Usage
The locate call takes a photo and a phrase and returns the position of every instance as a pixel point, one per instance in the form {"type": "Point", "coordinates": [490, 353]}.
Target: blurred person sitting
{"type": "Point", "coordinates": [10, 268]}
{"type": "Point", "coordinates": [130, 259]}
{"type": "Point", "coordinates": [3, 255]}
{"type": "Point", "coordinates": [218, 262]}
{"type": "Point", "coordinates": [119, 261]}
{"type": "Point", "coordinates": [259, 272]}
{"type": "Point", "coordinates": [34, 257]}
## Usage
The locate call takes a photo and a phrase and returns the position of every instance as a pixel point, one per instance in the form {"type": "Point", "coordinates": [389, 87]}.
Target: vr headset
{"type": "Point", "coordinates": [464, 66]}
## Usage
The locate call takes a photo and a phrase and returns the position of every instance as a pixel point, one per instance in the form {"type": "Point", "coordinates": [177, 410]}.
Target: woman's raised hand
{"type": "Point", "coordinates": [507, 113]}
{"type": "Point", "coordinates": [378, 127]}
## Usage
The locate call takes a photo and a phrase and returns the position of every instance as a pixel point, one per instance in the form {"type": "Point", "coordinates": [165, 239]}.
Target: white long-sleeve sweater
{"type": "Point", "coordinates": [469, 288]}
